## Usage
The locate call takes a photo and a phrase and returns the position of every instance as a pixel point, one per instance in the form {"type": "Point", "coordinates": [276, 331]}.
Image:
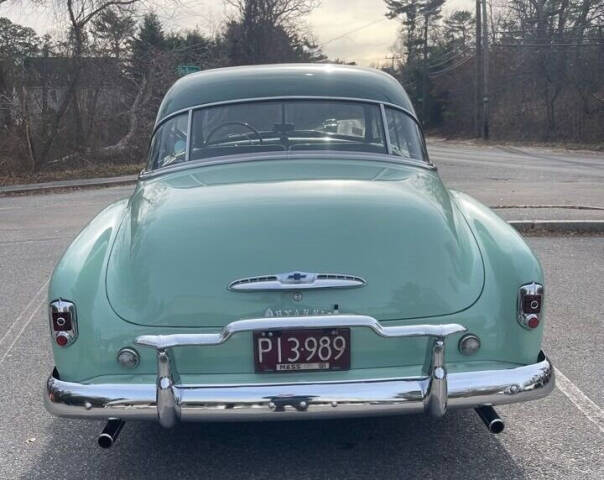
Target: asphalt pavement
{"type": "Point", "coordinates": [561, 436]}
{"type": "Point", "coordinates": [505, 176]}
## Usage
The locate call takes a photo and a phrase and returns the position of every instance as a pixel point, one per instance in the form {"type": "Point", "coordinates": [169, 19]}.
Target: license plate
{"type": "Point", "coordinates": [304, 350]}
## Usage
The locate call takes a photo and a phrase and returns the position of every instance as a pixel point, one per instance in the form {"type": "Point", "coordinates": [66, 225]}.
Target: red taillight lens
{"type": "Point", "coordinates": [63, 322]}
{"type": "Point", "coordinates": [530, 304]}
{"type": "Point", "coordinates": [533, 322]}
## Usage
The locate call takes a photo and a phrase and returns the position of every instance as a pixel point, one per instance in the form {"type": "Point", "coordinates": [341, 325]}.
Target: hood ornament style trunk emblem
{"type": "Point", "coordinates": [296, 280]}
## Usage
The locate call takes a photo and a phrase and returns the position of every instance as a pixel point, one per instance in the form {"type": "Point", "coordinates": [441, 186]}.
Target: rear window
{"type": "Point", "coordinates": [405, 137]}
{"type": "Point", "coordinates": [284, 125]}
{"type": "Point", "coordinates": [287, 125]}
{"type": "Point", "coordinates": [169, 144]}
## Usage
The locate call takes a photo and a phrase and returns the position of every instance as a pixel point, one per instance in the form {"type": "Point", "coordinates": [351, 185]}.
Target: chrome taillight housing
{"type": "Point", "coordinates": [530, 305]}
{"type": "Point", "coordinates": [63, 322]}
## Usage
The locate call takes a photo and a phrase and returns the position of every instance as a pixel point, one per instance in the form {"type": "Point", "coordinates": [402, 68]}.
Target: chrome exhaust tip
{"type": "Point", "coordinates": [110, 433]}
{"type": "Point", "coordinates": [491, 419]}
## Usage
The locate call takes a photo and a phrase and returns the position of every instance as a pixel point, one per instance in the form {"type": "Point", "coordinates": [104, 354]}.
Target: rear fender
{"type": "Point", "coordinates": [509, 263]}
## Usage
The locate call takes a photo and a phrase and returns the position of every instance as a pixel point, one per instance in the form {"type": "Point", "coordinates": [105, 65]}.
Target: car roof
{"type": "Point", "coordinates": [296, 79]}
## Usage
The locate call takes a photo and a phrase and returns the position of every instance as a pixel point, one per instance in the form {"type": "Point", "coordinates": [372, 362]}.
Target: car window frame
{"type": "Point", "coordinates": [425, 162]}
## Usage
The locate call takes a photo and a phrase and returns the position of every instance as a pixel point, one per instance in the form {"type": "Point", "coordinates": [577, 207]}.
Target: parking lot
{"type": "Point", "coordinates": [561, 436]}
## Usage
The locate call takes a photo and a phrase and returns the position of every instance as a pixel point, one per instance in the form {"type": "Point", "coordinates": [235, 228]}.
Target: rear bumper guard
{"type": "Point", "coordinates": [169, 401]}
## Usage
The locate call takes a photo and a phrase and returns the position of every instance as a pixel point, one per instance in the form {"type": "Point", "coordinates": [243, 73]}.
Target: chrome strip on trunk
{"type": "Point", "coordinates": [296, 281]}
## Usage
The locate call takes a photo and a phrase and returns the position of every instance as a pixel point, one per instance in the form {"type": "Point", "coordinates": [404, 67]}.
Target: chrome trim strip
{"type": "Point", "coordinates": [435, 388]}
{"type": "Point", "coordinates": [190, 110]}
{"type": "Point", "coordinates": [189, 129]}
{"type": "Point", "coordinates": [296, 281]}
{"type": "Point", "coordinates": [386, 130]}
{"type": "Point", "coordinates": [278, 401]}
{"type": "Point", "coordinates": [63, 306]}
{"type": "Point", "coordinates": [268, 156]}
{"type": "Point", "coordinates": [281, 98]}
{"type": "Point", "coordinates": [162, 342]}
{"type": "Point", "coordinates": [437, 394]}
{"type": "Point", "coordinates": [166, 395]}
{"type": "Point", "coordinates": [529, 289]}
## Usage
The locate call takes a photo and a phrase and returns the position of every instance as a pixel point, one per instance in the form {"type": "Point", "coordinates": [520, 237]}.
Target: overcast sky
{"type": "Point", "coordinates": [369, 41]}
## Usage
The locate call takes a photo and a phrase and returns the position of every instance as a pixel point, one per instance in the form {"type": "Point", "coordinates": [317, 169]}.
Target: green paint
{"type": "Point", "coordinates": [234, 83]}
{"type": "Point", "coordinates": [160, 262]}
{"type": "Point", "coordinates": [424, 251]}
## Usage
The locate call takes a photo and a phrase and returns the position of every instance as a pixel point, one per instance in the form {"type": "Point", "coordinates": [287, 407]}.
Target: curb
{"type": "Point", "coordinates": [558, 226]}
{"type": "Point", "coordinates": [67, 185]}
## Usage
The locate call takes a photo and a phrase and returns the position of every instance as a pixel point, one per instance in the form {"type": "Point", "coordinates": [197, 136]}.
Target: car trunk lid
{"type": "Point", "coordinates": [188, 237]}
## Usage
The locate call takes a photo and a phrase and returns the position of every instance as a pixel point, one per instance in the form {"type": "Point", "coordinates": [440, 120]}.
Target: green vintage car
{"type": "Point", "coordinates": [290, 252]}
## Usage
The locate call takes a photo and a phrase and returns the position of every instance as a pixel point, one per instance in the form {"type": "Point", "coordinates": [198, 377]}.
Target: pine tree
{"type": "Point", "coordinates": [112, 31]}
{"type": "Point", "coordinates": [149, 40]}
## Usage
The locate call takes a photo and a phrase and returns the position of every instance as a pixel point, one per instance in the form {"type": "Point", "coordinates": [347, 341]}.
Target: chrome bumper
{"type": "Point", "coordinates": [169, 401]}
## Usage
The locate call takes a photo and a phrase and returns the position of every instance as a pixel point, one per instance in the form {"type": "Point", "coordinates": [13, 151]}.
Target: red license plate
{"type": "Point", "coordinates": [302, 350]}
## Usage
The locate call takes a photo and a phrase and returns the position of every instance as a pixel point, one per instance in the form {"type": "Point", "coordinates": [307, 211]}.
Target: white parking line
{"type": "Point", "coordinates": [16, 321]}
{"type": "Point", "coordinates": [592, 411]}
{"type": "Point", "coordinates": [21, 331]}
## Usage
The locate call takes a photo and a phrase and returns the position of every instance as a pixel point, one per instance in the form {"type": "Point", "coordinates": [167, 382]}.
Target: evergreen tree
{"type": "Point", "coordinates": [112, 31]}
{"type": "Point", "coordinates": [458, 29]}
{"type": "Point", "coordinates": [146, 44]}
{"type": "Point", "coordinates": [265, 32]}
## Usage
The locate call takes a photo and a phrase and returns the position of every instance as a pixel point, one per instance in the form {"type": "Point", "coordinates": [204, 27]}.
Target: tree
{"type": "Point", "coordinates": [265, 31]}
{"type": "Point", "coordinates": [273, 12]}
{"type": "Point", "coordinates": [559, 53]}
{"type": "Point", "coordinates": [113, 29]}
{"type": "Point", "coordinates": [417, 17]}
{"type": "Point", "coordinates": [458, 29]}
{"type": "Point", "coordinates": [16, 41]}
{"type": "Point", "coordinates": [148, 41]}
{"type": "Point", "coordinates": [16, 44]}
{"type": "Point", "coordinates": [80, 14]}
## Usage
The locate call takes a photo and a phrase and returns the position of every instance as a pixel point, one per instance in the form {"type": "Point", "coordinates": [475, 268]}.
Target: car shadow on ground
{"type": "Point", "coordinates": [387, 447]}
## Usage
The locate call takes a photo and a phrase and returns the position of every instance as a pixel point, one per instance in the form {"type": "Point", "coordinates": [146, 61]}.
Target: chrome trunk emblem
{"type": "Point", "coordinates": [296, 281]}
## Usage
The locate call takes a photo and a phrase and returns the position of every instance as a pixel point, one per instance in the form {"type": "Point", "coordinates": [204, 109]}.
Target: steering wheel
{"type": "Point", "coordinates": [225, 124]}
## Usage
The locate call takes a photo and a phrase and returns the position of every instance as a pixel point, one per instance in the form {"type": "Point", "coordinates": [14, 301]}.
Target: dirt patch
{"type": "Point", "coordinates": [586, 147]}
{"type": "Point", "coordinates": [97, 171]}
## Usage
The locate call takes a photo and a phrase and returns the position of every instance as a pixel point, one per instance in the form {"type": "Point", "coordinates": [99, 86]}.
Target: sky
{"type": "Point", "coordinates": [351, 30]}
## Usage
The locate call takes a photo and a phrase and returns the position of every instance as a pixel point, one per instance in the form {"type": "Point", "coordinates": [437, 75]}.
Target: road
{"type": "Point", "coordinates": [561, 436]}
{"type": "Point", "coordinates": [515, 176]}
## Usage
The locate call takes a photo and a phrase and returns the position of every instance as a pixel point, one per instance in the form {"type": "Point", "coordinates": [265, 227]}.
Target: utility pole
{"type": "Point", "coordinates": [392, 58]}
{"type": "Point", "coordinates": [477, 73]}
{"type": "Point", "coordinates": [485, 72]}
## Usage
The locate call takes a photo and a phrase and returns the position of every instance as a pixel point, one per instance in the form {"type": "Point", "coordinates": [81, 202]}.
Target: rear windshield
{"type": "Point", "coordinates": [280, 126]}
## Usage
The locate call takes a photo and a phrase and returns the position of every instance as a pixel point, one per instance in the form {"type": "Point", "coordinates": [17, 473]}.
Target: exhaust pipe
{"type": "Point", "coordinates": [490, 418]}
{"type": "Point", "coordinates": [110, 433]}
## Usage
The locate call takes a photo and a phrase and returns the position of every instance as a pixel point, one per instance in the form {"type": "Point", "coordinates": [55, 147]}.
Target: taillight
{"type": "Point", "coordinates": [63, 322]}
{"type": "Point", "coordinates": [530, 305]}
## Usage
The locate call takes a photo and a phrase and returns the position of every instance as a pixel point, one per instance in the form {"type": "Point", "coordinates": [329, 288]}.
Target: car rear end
{"type": "Point", "coordinates": [400, 328]}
